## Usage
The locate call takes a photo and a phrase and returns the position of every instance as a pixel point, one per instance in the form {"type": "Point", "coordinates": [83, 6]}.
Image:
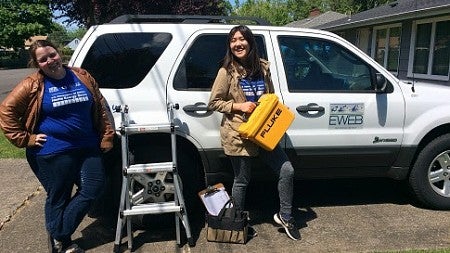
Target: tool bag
{"type": "Point", "coordinates": [230, 225]}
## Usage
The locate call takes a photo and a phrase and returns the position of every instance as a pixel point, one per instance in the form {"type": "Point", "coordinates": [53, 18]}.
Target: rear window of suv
{"type": "Point", "coordinates": [122, 60]}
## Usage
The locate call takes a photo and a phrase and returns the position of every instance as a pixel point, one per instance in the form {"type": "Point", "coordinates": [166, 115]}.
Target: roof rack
{"type": "Point", "coordinates": [187, 19]}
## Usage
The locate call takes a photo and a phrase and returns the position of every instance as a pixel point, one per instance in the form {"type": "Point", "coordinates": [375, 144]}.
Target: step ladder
{"type": "Point", "coordinates": [131, 203]}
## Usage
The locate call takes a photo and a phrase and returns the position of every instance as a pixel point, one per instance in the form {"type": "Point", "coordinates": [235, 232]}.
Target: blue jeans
{"type": "Point", "coordinates": [278, 161]}
{"type": "Point", "coordinates": [58, 173]}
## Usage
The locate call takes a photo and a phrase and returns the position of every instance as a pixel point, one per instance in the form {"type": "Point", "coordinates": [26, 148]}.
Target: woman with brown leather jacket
{"type": "Point", "coordinates": [58, 114]}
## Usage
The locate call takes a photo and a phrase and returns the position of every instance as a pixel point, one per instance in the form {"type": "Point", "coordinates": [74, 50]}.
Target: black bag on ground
{"type": "Point", "coordinates": [230, 225]}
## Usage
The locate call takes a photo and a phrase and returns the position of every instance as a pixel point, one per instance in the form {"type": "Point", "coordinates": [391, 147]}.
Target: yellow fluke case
{"type": "Point", "coordinates": [268, 122]}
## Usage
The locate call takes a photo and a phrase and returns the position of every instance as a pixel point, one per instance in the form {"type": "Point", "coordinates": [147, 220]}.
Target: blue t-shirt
{"type": "Point", "coordinates": [253, 89]}
{"type": "Point", "coordinates": [66, 116]}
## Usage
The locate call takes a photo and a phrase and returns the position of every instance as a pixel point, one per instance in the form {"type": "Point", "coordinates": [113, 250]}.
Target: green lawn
{"type": "Point", "coordinates": [7, 150]}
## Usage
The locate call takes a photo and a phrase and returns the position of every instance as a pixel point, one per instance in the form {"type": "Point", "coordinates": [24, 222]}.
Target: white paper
{"type": "Point", "coordinates": [215, 201]}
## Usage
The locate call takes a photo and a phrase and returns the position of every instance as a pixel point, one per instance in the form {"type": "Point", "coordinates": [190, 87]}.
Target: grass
{"type": "Point", "coordinates": [7, 150]}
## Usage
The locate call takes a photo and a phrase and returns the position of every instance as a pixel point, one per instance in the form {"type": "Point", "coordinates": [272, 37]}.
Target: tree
{"type": "Point", "coordinates": [88, 13]}
{"type": "Point", "coordinates": [275, 11]}
{"type": "Point", "coordinates": [300, 9]}
{"type": "Point", "coordinates": [281, 12]}
{"type": "Point", "coordinates": [77, 33]}
{"type": "Point", "coordinates": [58, 36]}
{"type": "Point", "coordinates": [22, 19]}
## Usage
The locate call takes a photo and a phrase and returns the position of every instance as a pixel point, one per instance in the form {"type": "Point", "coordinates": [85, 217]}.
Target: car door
{"type": "Point", "coordinates": [190, 86]}
{"type": "Point", "coordinates": [341, 121]}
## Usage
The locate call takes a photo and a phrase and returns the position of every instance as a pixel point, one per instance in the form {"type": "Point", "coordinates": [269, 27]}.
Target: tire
{"type": "Point", "coordinates": [106, 207]}
{"type": "Point", "coordinates": [192, 177]}
{"type": "Point", "coordinates": [430, 176]}
{"type": "Point", "coordinates": [191, 182]}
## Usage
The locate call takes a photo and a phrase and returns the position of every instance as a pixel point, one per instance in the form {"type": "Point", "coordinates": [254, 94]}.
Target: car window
{"type": "Point", "coordinates": [200, 64]}
{"type": "Point", "coordinates": [314, 64]}
{"type": "Point", "coordinates": [122, 60]}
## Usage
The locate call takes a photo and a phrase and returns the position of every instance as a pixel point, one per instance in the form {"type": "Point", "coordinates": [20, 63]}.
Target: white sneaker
{"type": "Point", "coordinates": [289, 226]}
{"type": "Point", "coordinates": [57, 245]}
{"type": "Point", "coordinates": [74, 249]}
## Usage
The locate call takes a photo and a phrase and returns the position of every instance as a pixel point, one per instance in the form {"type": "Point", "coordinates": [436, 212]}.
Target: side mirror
{"type": "Point", "coordinates": [381, 83]}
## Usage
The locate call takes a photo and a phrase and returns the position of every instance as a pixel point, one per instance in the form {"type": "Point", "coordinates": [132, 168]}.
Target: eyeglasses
{"type": "Point", "coordinates": [45, 58]}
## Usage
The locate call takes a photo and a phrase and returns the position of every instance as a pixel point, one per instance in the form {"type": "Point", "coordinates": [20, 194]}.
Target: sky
{"type": "Point", "coordinates": [232, 2]}
{"type": "Point", "coordinates": [60, 21]}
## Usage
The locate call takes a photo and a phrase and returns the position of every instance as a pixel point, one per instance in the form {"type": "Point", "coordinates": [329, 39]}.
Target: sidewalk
{"type": "Point", "coordinates": [18, 185]}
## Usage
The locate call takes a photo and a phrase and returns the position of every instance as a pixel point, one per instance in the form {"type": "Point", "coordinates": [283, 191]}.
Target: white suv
{"type": "Point", "coordinates": [353, 117]}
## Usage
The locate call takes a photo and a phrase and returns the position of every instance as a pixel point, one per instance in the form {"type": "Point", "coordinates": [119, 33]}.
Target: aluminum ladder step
{"type": "Point", "coordinates": [153, 208]}
{"type": "Point", "coordinates": [148, 128]}
{"type": "Point", "coordinates": [150, 167]}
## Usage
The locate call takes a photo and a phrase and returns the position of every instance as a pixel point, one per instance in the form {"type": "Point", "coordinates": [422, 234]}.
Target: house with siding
{"type": "Point", "coordinates": [410, 38]}
{"type": "Point", "coordinates": [73, 44]}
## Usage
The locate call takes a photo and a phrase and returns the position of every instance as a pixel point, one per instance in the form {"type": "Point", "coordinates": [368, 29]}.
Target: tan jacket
{"type": "Point", "coordinates": [226, 90]}
{"type": "Point", "coordinates": [20, 110]}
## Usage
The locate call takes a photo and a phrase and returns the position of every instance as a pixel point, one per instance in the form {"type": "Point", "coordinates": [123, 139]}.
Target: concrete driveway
{"type": "Point", "coordinates": [10, 78]}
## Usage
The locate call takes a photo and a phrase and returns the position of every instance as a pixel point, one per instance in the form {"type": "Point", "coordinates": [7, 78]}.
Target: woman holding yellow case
{"type": "Point", "coordinates": [241, 80]}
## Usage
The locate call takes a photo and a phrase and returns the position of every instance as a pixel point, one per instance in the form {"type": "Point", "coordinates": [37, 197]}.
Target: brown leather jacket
{"type": "Point", "coordinates": [20, 110]}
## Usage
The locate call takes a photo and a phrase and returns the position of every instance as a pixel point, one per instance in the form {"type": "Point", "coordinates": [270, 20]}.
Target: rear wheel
{"type": "Point", "coordinates": [430, 175]}
{"type": "Point", "coordinates": [160, 187]}
{"type": "Point", "coordinates": [192, 176]}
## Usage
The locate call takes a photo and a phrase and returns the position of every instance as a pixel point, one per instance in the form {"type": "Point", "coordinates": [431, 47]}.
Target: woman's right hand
{"type": "Point", "coordinates": [40, 140]}
{"type": "Point", "coordinates": [247, 107]}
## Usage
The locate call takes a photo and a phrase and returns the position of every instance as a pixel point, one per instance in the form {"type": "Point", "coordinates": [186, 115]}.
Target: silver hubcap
{"type": "Point", "coordinates": [439, 174]}
{"type": "Point", "coordinates": [152, 188]}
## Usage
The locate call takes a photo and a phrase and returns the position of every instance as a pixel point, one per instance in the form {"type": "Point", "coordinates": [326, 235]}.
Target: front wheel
{"type": "Point", "coordinates": [430, 175]}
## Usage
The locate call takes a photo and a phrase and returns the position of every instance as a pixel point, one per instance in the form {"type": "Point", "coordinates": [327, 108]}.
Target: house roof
{"type": "Point", "coordinates": [30, 41]}
{"type": "Point", "coordinates": [312, 22]}
{"type": "Point", "coordinates": [391, 12]}
{"type": "Point", "coordinates": [73, 43]}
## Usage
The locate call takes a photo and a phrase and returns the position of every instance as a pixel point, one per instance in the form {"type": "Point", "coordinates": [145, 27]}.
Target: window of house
{"type": "Point", "coordinates": [386, 44]}
{"type": "Point", "coordinates": [430, 49]}
{"type": "Point", "coordinates": [314, 64]}
{"type": "Point", "coordinates": [362, 39]}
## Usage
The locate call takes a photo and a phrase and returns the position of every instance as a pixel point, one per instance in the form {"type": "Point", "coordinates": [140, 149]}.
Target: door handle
{"type": "Point", "coordinates": [311, 107]}
{"type": "Point", "coordinates": [197, 107]}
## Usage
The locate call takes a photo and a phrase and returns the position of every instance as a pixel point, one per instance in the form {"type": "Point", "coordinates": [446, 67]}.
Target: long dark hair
{"type": "Point", "coordinates": [252, 63]}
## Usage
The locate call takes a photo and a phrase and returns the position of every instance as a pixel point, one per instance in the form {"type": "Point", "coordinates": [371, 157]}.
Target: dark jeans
{"type": "Point", "coordinates": [58, 173]}
{"type": "Point", "coordinates": [278, 161]}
